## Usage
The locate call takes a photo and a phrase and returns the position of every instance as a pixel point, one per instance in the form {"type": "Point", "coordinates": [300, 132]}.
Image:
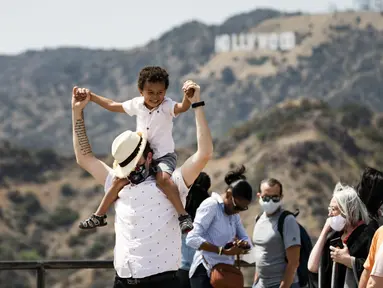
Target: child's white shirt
{"type": "Point", "coordinates": [155, 124]}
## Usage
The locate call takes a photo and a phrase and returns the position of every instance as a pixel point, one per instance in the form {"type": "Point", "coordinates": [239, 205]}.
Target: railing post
{"type": "Point", "coordinates": [41, 277]}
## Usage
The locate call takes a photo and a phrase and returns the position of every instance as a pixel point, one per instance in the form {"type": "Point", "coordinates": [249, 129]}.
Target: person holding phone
{"type": "Point", "coordinates": [218, 233]}
{"type": "Point", "coordinates": [342, 247]}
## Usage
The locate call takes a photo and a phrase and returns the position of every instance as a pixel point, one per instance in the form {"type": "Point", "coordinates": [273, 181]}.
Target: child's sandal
{"type": "Point", "coordinates": [93, 221]}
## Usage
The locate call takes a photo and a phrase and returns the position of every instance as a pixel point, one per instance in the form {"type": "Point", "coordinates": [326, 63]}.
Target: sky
{"type": "Point", "coordinates": [120, 24]}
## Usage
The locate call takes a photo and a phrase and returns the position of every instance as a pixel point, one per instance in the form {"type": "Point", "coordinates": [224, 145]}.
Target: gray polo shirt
{"type": "Point", "coordinates": [270, 250]}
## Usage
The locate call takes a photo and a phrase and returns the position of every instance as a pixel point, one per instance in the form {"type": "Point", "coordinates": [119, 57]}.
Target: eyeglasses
{"type": "Point", "coordinates": [238, 208]}
{"type": "Point", "coordinates": [275, 199]}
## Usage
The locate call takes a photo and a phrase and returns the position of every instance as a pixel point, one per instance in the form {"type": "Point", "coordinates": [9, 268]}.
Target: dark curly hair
{"type": "Point", "coordinates": [198, 193]}
{"type": "Point", "coordinates": [153, 74]}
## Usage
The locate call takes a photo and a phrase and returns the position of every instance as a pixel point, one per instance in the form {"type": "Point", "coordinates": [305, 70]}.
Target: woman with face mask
{"type": "Point", "coordinates": [218, 233]}
{"type": "Point", "coordinates": [337, 258]}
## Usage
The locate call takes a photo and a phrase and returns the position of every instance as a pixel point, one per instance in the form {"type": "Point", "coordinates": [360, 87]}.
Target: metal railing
{"type": "Point", "coordinates": [43, 265]}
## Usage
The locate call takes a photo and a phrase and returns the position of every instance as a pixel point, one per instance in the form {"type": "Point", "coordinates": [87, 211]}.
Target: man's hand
{"type": "Point", "coordinates": [81, 94]}
{"type": "Point", "coordinates": [341, 256]}
{"type": "Point", "coordinates": [80, 98]}
{"type": "Point", "coordinates": [192, 91]}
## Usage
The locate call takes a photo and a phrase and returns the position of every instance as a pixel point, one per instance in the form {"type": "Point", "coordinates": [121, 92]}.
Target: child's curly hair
{"type": "Point", "coordinates": [153, 74]}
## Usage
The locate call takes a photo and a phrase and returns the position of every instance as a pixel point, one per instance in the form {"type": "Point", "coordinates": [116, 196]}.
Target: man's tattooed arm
{"type": "Point", "coordinates": [83, 151]}
{"type": "Point", "coordinates": [82, 138]}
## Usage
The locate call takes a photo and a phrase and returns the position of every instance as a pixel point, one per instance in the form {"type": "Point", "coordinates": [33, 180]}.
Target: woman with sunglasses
{"type": "Point", "coordinates": [270, 250]}
{"type": "Point", "coordinates": [337, 258]}
{"type": "Point", "coordinates": [218, 233]}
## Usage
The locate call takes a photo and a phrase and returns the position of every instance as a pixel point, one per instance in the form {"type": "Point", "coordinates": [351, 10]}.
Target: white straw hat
{"type": "Point", "coordinates": [127, 149]}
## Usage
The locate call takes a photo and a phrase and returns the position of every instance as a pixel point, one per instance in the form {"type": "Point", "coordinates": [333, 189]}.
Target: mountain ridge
{"type": "Point", "coordinates": [235, 85]}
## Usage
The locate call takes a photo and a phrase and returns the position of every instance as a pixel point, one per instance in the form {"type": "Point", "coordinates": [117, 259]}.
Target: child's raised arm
{"type": "Point", "coordinates": [106, 103]}
{"type": "Point", "coordinates": [185, 105]}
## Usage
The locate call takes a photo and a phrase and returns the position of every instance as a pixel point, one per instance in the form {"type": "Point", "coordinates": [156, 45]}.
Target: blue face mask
{"type": "Point", "coordinates": [138, 175]}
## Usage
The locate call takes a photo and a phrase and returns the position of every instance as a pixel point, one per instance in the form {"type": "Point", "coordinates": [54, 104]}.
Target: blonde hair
{"type": "Point", "coordinates": [350, 205]}
{"type": "Point", "coordinates": [115, 164]}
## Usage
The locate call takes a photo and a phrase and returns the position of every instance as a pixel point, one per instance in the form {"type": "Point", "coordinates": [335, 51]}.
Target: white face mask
{"type": "Point", "coordinates": [269, 207]}
{"type": "Point", "coordinates": [337, 223]}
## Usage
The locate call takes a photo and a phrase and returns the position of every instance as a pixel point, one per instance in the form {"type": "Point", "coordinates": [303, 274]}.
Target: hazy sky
{"type": "Point", "coordinates": [34, 24]}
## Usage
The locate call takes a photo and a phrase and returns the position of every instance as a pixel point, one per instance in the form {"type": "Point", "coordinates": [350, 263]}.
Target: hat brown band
{"type": "Point", "coordinates": [132, 156]}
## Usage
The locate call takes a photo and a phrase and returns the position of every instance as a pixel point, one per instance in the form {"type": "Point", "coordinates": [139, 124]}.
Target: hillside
{"type": "Point", "coordinates": [338, 58]}
{"type": "Point", "coordinates": [305, 143]}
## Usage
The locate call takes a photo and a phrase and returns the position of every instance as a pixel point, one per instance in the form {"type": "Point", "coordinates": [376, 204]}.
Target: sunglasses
{"type": "Point", "coordinates": [275, 199]}
{"type": "Point", "coordinates": [236, 207]}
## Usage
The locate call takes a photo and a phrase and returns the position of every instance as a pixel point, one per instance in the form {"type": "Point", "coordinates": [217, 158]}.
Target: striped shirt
{"type": "Point", "coordinates": [213, 225]}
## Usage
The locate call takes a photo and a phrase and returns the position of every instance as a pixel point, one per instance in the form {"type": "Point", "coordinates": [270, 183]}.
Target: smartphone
{"type": "Point", "coordinates": [229, 245]}
{"type": "Point", "coordinates": [337, 243]}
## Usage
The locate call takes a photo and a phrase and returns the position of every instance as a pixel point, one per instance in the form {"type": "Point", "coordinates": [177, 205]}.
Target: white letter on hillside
{"type": "Point", "coordinates": [287, 41]}
{"type": "Point", "coordinates": [222, 43]}
{"type": "Point", "coordinates": [242, 42]}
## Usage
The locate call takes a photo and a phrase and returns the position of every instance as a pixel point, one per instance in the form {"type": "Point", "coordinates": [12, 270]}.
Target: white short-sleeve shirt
{"type": "Point", "coordinates": [148, 236]}
{"type": "Point", "coordinates": [156, 124]}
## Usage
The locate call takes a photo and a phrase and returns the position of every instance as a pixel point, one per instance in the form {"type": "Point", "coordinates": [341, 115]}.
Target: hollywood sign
{"type": "Point", "coordinates": [251, 41]}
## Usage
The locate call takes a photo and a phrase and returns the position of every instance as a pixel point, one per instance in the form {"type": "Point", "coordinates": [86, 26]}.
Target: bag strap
{"type": "Point", "coordinates": [281, 223]}
{"type": "Point", "coordinates": [281, 220]}
{"type": "Point", "coordinates": [257, 218]}
{"type": "Point", "coordinates": [237, 262]}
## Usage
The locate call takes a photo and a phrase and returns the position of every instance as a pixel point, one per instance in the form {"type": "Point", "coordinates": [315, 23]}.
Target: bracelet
{"type": "Point", "coordinates": [198, 104]}
{"type": "Point", "coordinates": [220, 250]}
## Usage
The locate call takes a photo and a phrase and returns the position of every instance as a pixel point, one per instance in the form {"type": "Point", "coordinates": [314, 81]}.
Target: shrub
{"type": "Point", "coordinates": [67, 190]}
{"type": "Point", "coordinates": [74, 240]}
{"type": "Point", "coordinates": [100, 245]}
{"type": "Point", "coordinates": [64, 216]}
{"type": "Point", "coordinates": [257, 61]}
{"type": "Point", "coordinates": [29, 255]}
{"type": "Point", "coordinates": [355, 116]}
{"type": "Point", "coordinates": [15, 196]}
{"type": "Point", "coordinates": [228, 76]}
{"type": "Point", "coordinates": [31, 204]}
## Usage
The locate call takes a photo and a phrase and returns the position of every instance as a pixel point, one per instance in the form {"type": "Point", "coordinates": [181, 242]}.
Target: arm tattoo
{"type": "Point", "coordinates": [82, 138]}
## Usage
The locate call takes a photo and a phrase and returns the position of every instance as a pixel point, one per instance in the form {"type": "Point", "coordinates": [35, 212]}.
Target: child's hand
{"type": "Point", "coordinates": [191, 91]}
{"type": "Point", "coordinates": [78, 104]}
{"type": "Point", "coordinates": [82, 94]}
{"type": "Point", "coordinates": [119, 183]}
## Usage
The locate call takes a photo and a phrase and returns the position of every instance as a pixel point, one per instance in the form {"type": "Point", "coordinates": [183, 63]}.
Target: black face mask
{"type": "Point", "coordinates": [138, 175]}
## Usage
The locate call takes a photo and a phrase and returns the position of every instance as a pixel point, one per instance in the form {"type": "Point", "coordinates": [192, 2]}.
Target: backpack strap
{"type": "Point", "coordinates": [282, 217]}
{"type": "Point", "coordinates": [257, 218]}
{"type": "Point", "coordinates": [281, 222]}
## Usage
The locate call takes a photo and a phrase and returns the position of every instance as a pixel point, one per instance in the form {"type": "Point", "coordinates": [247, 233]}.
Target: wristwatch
{"type": "Point", "coordinates": [198, 104]}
